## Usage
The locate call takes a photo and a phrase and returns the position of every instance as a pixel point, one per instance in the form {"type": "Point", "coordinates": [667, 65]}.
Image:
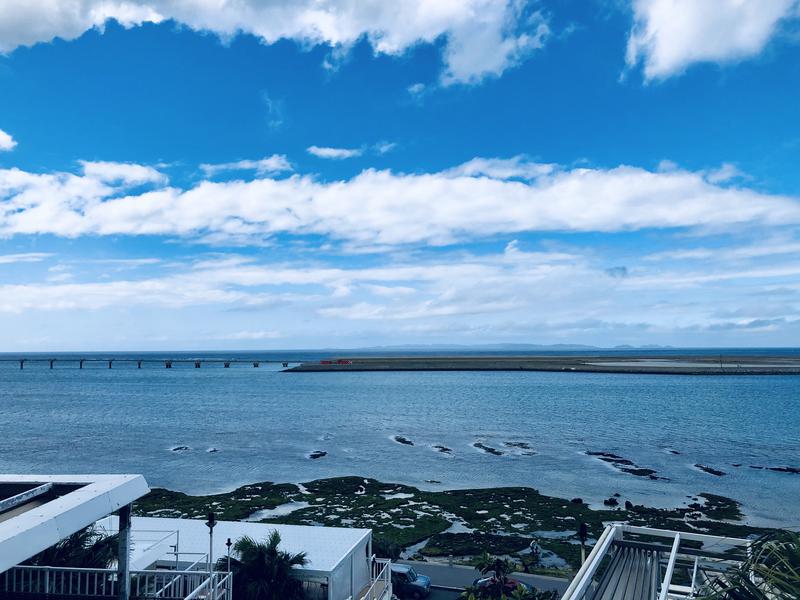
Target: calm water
{"type": "Point", "coordinates": [264, 424]}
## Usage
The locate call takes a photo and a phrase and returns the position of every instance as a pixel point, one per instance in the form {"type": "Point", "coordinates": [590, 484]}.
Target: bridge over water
{"type": "Point", "coordinates": [167, 363]}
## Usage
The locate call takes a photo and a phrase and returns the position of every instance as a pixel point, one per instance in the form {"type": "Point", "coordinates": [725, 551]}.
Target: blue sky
{"type": "Point", "coordinates": [339, 174]}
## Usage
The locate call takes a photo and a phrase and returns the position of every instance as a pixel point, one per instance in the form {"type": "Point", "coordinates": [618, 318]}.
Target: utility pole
{"type": "Point", "coordinates": [583, 534]}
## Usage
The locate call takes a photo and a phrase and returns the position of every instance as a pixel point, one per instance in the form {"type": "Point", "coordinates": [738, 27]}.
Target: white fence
{"type": "Point", "coordinates": [155, 584]}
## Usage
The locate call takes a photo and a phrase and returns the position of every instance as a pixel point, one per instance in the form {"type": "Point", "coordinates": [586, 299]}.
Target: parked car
{"type": "Point", "coordinates": [486, 583]}
{"type": "Point", "coordinates": [406, 583]}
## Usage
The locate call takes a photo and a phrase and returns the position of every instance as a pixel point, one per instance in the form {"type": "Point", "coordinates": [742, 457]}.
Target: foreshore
{"type": "Point", "coordinates": [634, 364]}
{"type": "Point", "coordinates": [435, 525]}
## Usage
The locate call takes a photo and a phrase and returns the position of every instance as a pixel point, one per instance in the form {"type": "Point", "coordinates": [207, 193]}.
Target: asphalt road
{"type": "Point", "coordinates": [460, 576]}
{"type": "Point", "coordinates": [443, 595]}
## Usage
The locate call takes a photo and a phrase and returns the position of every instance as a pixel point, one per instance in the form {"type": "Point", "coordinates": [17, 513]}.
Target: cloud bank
{"type": "Point", "coordinates": [481, 37]}
{"type": "Point", "coordinates": [382, 208]}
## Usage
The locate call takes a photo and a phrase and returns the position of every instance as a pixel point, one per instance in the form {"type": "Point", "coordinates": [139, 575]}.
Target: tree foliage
{"type": "Point", "coordinates": [262, 571]}
{"type": "Point", "coordinates": [770, 572]}
{"type": "Point", "coordinates": [87, 548]}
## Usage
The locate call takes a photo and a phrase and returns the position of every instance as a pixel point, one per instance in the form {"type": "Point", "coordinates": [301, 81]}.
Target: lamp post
{"type": "Point", "coordinates": [212, 521]}
{"type": "Point", "coordinates": [583, 534]}
{"type": "Point", "coordinates": [228, 544]}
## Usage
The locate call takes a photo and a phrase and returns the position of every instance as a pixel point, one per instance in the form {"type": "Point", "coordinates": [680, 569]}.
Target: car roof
{"type": "Point", "coordinates": [403, 568]}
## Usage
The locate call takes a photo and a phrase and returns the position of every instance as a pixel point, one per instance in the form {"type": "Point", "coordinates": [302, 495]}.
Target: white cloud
{"type": "Point", "coordinates": [26, 257]}
{"type": "Point", "coordinates": [491, 42]}
{"type": "Point", "coordinates": [765, 248]}
{"type": "Point", "coordinates": [512, 295]}
{"type": "Point", "coordinates": [503, 168]}
{"type": "Point", "coordinates": [383, 209]}
{"type": "Point", "coordinates": [384, 147]}
{"type": "Point", "coordinates": [253, 335]}
{"type": "Point", "coordinates": [670, 35]}
{"type": "Point", "coordinates": [334, 153]}
{"type": "Point", "coordinates": [6, 142]}
{"type": "Point", "coordinates": [126, 173]}
{"type": "Point", "coordinates": [482, 37]}
{"type": "Point", "coordinates": [277, 163]}
{"type": "Point", "coordinates": [726, 172]}
{"type": "Point", "coordinates": [59, 273]}
{"type": "Point", "coordinates": [417, 92]}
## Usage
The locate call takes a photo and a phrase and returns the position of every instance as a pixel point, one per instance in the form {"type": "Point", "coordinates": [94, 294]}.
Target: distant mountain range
{"type": "Point", "coordinates": [509, 347]}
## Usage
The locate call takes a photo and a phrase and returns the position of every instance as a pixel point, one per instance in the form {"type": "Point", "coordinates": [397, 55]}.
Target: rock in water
{"type": "Point", "coordinates": [403, 440]}
{"type": "Point", "coordinates": [710, 470]}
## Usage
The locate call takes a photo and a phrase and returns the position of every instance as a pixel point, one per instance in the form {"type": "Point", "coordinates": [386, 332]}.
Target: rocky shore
{"type": "Point", "coordinates": [435, 525]}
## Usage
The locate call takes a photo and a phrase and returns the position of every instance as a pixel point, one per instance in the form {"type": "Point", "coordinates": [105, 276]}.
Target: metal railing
{"type": "Point", "coordinates": [638, 555]}
{"type": "Point", "coordinates": [381, 578]}
{"type": "Point", "coordinates": [103, 583]}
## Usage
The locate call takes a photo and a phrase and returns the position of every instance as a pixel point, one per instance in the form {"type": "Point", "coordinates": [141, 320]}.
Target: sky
{"type": "Point", "coordinates": [255, 174]}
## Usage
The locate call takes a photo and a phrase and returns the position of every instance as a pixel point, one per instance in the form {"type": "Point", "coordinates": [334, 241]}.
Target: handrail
{"type": "Point", "coordinates": [670, 567]}
{"type": "Point", "coordinates": [49, 568]}
{"type": "Point", "coordinates": [686, 535]}
{"type": "Point", "coordinates": [101, 583]}
{"type": "Point", "coordinates": [382, 576]}
{"type": "Point", "coordinates": [584, 575]}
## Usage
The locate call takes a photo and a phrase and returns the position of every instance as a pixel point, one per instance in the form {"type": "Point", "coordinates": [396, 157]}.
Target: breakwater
{"type": "Point", "coordinates": [643, 364]}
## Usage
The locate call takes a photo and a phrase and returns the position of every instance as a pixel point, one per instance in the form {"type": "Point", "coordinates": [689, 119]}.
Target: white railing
{"type": "Point", "coordinates": [153, 584]}
{"type": "Point", "coordinates": [583, 585]}
{"type": "Point", "coordinates": [381, 580]}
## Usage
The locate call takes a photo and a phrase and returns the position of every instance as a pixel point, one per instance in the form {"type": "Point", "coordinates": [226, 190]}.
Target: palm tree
{"type": "Point", "coordinates": [261, 571]}
{"type": "Point", "coordinates": [500, 568]}
{"type": "Point", "coordinates": [770, 572]}
{"type": "Point", "coordinates": [86, 548]}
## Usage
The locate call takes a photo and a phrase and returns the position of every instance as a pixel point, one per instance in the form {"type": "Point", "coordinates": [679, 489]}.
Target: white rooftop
{"type": "Point", "coordinates": [325, 547]}
{"type": "Point", "coordinates": [52, 507]}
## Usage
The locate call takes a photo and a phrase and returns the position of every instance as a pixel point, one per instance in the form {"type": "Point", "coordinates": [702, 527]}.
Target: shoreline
{"type": "Point", "coordinates": [620, 364]}
{"type": "Point", "coordinates": [432, 525]}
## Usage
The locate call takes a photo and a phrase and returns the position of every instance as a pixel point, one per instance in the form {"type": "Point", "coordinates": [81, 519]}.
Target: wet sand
{"type": "Point", "coordinates": [673, 365]}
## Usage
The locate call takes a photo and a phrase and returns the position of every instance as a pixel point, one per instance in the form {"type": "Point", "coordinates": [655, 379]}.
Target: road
{"type": "Point", "coordinates": [459, 576]}
{"type": "Point", "coordinates": [444, 595]}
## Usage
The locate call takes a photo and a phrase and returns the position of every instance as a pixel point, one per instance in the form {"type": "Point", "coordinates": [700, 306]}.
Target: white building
{"type": "Point", "coordinates": [339, 558]}
{"type": "Point", "coordinates": [167, 559]}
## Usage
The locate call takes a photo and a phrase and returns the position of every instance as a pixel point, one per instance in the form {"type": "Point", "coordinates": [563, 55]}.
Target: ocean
{"type": "Point", "coordinates": [212, 429]}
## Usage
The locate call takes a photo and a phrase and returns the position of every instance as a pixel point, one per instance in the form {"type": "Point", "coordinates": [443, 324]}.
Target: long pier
{"type": "Point", "coordinates": [167, 363]}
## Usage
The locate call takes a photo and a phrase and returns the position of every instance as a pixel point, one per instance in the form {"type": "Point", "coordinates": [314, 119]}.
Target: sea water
{"type": "Point", "coordinates": [212, 429]}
